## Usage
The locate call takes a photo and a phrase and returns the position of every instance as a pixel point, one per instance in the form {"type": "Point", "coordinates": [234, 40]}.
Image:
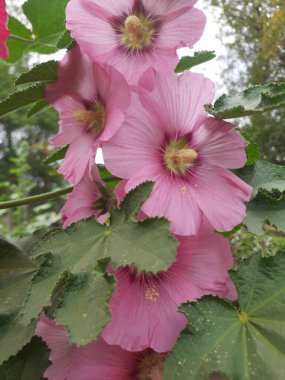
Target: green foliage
{"type": "Point", "coordinates": [44, 72]}
{"type": "Point", "coordinates": [68, 258]}
{"type": "Point", "coordinates": [253, 100]}
{"type": "Point", "coordinates": [16, 273]}
{"type": "Point", "coordinates": [47, 18]}
{"type": "Point", "coordinates": [59, 154]}
{"type": "Point", "coordinates": [29, 364]}
{"type": "Point", "coordinates": [241, 342]}
{"type": "Point", "coordinates": [252, 151]}
{"type": "Point", "coordinates": [198, 58]}
{"type": "Point", "coordinates": [21, 99]}
{"type": "Point", "coordinates": [253, 32]}
{"type": "Point", "coordinates": [268, 198]}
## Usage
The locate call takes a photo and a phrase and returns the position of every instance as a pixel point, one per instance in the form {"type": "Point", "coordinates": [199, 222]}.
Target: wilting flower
{"type": "Point", "coordinates": [173, 142]}
{"type": "Point", "coordinates": [97, 361]}
{"type": "Point", "coordinates": [4, 32]}
{"type": "Point", "coordinates": [91, 101]}
{"type": "Point", "coordinates": [145, 306]}
{"type": "Point", "coordinates": [89, 197]}
{"type": "Point", "coordinates": [133, 35]}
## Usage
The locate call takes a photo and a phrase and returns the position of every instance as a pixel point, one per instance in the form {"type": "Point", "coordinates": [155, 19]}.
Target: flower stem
{"type": "Point", "coordinates": [35, 198]}
{"type": "Point", "coordinates": [42, 197]}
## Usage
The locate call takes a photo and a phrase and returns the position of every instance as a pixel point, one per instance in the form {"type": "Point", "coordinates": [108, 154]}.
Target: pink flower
{"type": "Point", "coordinates": [145, 307]}
{"type": "Point", "coordinates": [84, 201]}
{"type": "Point", "coordinates": [134, 35]}
{"type": "Point", "coordinates": [97, 361]}
{"type": "Point", "coordinates": [92, 102]}
{"type": "Point", "coordinates": [4, 32]}
{"type": "Point", "coordinates": [173, 142]}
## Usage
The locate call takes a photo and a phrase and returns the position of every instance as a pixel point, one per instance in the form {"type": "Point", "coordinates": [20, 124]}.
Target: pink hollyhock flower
{"type": "Point", "coordinates": [133, 35]}
{"type": "Point", "coordinates": [89, 197]}
{"type": "Point", "coordinates": [4, 32]}
{"type": "Point", "coordinates": [97, 361]}
{"type": "Point", "coordinates": [173, 142]}
{"type": "Point", "coordinates": [144, 306]}
{"type": "Point", "coordinates": [91, 101]}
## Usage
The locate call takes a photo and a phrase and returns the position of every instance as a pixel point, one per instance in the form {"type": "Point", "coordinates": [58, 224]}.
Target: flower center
{"type": "Point", "coordinates": [151, 367]}
{"type": "Point", "coordinates": [178, 157]}
{"type": "Point", "coordinates": [137, 32]}
{"type": "Point", "coordinates": [94, 117]}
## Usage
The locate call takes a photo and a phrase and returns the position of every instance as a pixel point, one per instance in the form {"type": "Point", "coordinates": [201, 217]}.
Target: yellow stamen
{"type": "Point", "coordinates": [178, 157]}
{"type": "Point", "coordinates": [186, 156]}
{"type": "Point", "coordinates": [134, 26]}
{"type": "Point", "coordinates": [84, 116]}
{"type": "Point", "coordinates": [151, 294]}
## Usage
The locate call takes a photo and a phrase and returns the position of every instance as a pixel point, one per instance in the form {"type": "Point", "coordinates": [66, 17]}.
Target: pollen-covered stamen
{"type": "Point", "coordinates": [134, 27]}
{"type": "Point", "coordinates": [186, 156]}
{"type": "Point", "coordinates": [137, 32]}
{"type": "Point", "coordinates": [178, 157]}
{"type": "Point", "coordinates": [151, 367]}
{"type": "Point", "coordinates": [84, 116]}
{"type": "Point", "coordinates": [94, 117]}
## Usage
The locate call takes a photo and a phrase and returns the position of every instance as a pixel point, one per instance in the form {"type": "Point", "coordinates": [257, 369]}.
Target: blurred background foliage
{"type": "Point", "coordinates": [253, 32]}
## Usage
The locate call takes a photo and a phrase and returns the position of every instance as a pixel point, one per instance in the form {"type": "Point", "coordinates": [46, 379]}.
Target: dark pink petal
{"type": "Point", "coordinates": [145, 307]}
{"type": "Point", "coordinates": [4, 32]}
{"type": "Point", "coordinates": [80, 203]}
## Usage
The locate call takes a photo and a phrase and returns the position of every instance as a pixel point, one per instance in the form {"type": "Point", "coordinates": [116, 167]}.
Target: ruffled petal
{"type": "Point", "coordinates": [4, 32]}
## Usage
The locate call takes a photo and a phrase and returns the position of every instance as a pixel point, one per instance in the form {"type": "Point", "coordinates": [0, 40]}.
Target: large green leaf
{"type": "Point", "coordinates": [198, 58]}
{"type": "Point", "coordinates": [244, 342]}
{"type": "Point", "coordinates": [254, 100]}
{"type": "Point", "coordinates": [48, 21]}
{"type": "Point", "coordinates": [21, 99]}
{"type": "Point", "coordinates": [44, 72]}
{"type": "Point", "coordinates": [16, 273]}
{"type": "Point", "coordinates": [86, 297]}
{"type": "Point", "coordinates": [71, 255]}
{"type": "Point", "coordinates": [268, 197]}
{"type": "Point", "coordinates": [29, 364]}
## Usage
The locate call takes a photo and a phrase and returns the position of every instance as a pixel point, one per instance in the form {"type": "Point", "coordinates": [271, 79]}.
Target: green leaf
{"type": "Point", "coordinates": [74, 252]}
{"type": "Point", "coordinates": [263, 175]}
{"type": "Point", "coordinates": [133, 202]}
{"type": "Point", "coordinates": [20, 39]}
{"type": "Point", "coordinates": [44, 72]}
{"type": "Point", "coordinates": [243, 342]}
{"type": "Point", "coordinates": [252, 151]}
{"type": "Point", "coordinates": [22, 99]}
{"type": "Point", "coordinates": [86, 298]}
{"type": "Point", "coordinates": [56, 156]}
{"type": "Point", "coordinates": [265, 208]}
{"type": "Point", "coordinates": [254, 100]}
{"type": "Point", "coordinates": [65, 40]}
{"type": "Point", "coordinates": [38, 108]}
{"type": "Point", "coordinates": [199, 57]}
{"type": "Point", "coordinates": [268, 197]}
{"type": "Point", "coordinates": [48, 20]}
{"type": "Point", "coordinates": [16, 273]}
{"type": "Point", "coordinates": [29, 364]}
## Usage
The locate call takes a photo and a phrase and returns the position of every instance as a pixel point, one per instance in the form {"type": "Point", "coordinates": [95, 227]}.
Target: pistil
{"type": "Point", "coordinates": [179, 157]}
{"type": "Point", "coordinates": [134, 27]}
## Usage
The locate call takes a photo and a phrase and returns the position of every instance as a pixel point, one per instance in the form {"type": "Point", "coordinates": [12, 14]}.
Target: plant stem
{"type": "Point", "coordinates": [35, 198]}
{"type": "Point", "coordinates": [42, 197]}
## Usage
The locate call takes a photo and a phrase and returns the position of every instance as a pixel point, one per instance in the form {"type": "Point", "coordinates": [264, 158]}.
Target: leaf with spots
{"type": "Point", "coordinates": [254, 100]}
{"type": "Point", "coordinates": [16, 273]}
{"type": "Point", "coordinates": [70, 256]}
{"type": "Point", "coordinates": [244, 341]}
